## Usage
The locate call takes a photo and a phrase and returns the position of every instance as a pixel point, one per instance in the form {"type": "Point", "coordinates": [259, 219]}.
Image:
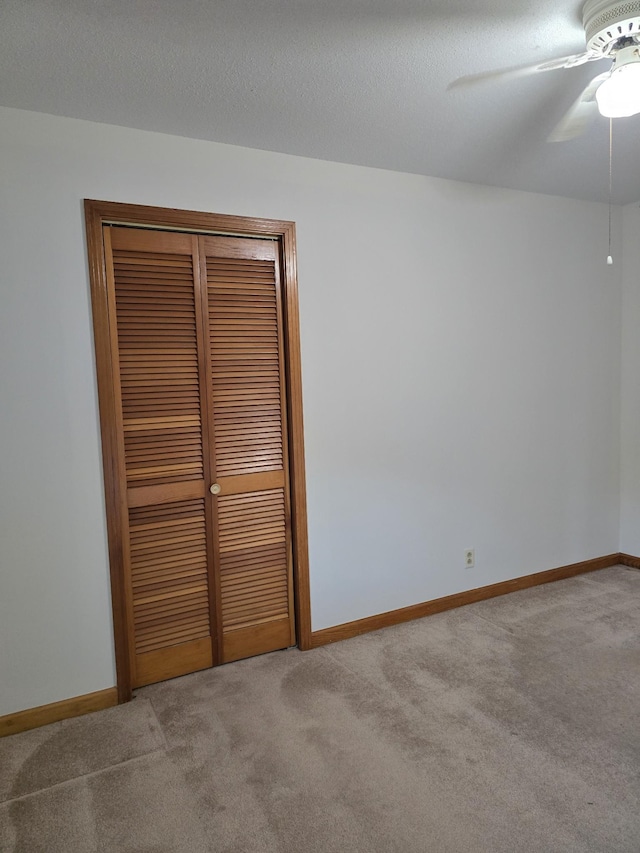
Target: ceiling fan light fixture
{"type": "Point", "coordinates": [619, 95]}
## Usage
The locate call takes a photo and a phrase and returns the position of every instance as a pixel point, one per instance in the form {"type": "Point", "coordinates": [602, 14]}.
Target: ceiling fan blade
{"type": "Point", "coordinates": [523, 70]}
{"type": "Point", "coordinates": [569, 61]}
{"type": "Point", "coordinates": [580, 113]}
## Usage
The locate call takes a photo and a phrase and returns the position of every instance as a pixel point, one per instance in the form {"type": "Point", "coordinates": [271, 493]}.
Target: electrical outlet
{"type": "Point", "coordinates": [469, 558]}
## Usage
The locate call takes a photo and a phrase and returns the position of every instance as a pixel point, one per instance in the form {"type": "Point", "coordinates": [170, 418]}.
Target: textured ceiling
{"type": "Point", "coordinates": [356, 81]}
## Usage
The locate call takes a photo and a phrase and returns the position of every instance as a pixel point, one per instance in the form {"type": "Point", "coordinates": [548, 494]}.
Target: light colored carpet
{"type": "Point", "coordinates": [509, 725]}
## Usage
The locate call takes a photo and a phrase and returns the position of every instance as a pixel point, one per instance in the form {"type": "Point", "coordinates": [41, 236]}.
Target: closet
{"type": "Point", "coordinates": [198, 446]}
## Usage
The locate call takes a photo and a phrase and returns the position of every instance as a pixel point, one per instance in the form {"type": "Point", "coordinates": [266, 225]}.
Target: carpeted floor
{"type": "Point", "coordinates": [510, 725]}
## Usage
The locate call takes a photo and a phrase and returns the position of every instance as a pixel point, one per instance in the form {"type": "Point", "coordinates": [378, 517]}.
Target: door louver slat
{"type": "Point", "coordinates": [242, 299]}
{"type": "Point", "coordinates": [179, 599]}
{"type": "Point", "coordinates": [159, 384]}
{"type": "Point", "coordinates": [259, 593]}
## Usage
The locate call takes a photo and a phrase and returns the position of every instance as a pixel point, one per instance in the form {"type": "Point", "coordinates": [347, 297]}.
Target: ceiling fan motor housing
{"type": "Point", "coordinates": [606, 23]}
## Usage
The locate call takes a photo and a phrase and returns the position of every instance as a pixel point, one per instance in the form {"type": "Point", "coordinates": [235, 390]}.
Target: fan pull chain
{"type": "Point", "coordinates": [610, 256]}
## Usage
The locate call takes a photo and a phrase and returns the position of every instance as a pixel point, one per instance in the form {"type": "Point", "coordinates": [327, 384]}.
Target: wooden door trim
{"type": "Point", "coordinates": [100, 213]}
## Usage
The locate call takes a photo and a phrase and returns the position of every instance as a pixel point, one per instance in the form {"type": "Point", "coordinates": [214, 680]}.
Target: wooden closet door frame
{"type": "Point", "coordinates": [101, 213]}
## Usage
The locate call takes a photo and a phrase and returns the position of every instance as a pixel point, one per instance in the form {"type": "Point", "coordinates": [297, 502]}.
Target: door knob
{"type": "Point", "coordinates": [215, 489]}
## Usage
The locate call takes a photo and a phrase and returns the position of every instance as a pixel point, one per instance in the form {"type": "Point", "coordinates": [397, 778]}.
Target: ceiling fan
{"type": "Point", "coordinates": [612, 31]}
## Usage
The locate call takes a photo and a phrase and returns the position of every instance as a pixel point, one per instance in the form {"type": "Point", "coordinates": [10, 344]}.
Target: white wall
{"type": "Point", "coordinates": [630, 426]}
{"type": "Point", "coordinates": [461, 362]}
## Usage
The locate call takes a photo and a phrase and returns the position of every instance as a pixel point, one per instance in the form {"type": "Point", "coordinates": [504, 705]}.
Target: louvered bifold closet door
{"type": "Point", "coordinates": [249, 442]}
{"type": "Point", "coordinates": [159, 353]}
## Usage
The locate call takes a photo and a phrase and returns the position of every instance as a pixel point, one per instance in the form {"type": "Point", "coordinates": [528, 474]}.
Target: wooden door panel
{"type": "Point", "coordinates": [168, 548]}
{"type": "Point", "coordinates": [197, 345]}
{"type": "Point", "coordinates": [246, 374]}
{"type": "Point", "coordinates": [156, 381]}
